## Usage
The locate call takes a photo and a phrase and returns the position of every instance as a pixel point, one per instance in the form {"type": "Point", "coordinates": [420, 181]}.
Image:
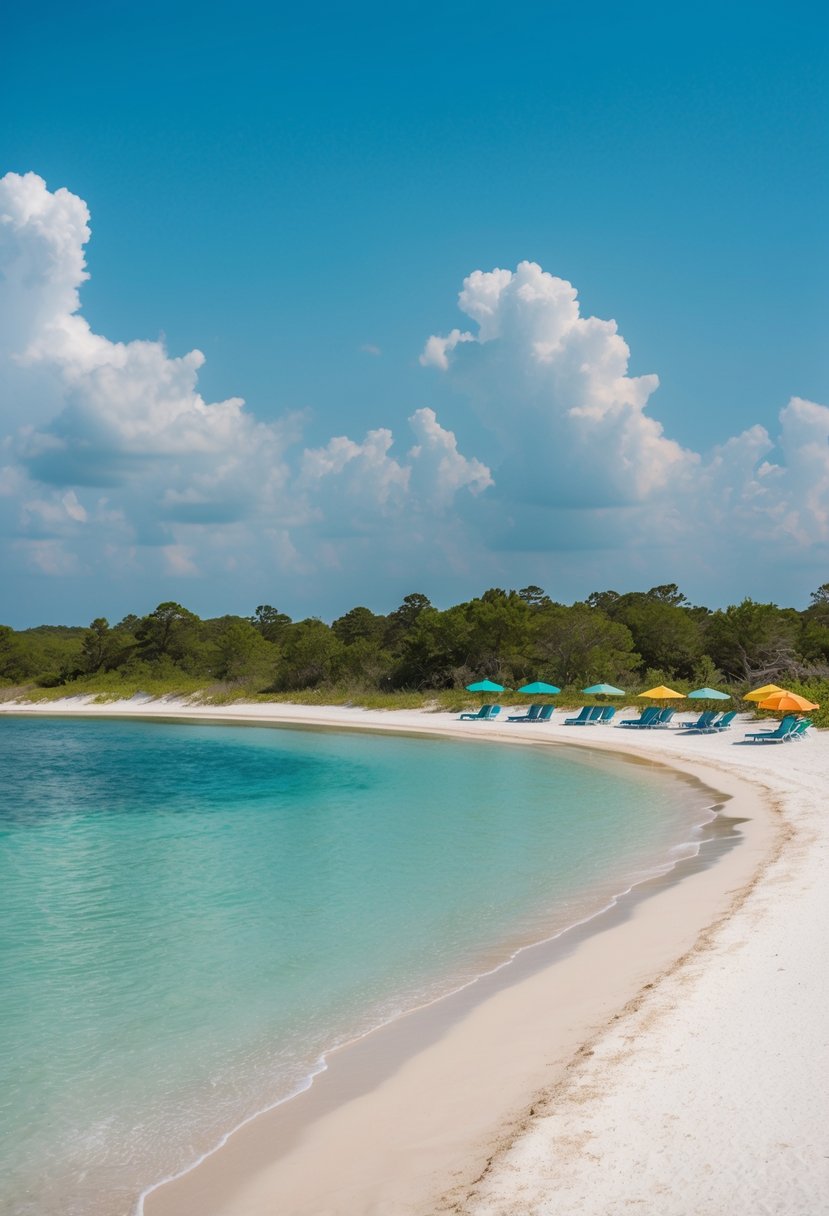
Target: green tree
{"type": "Point", "coordinates": [128, 624]}
{"type": "Point", "coordinates": [403, 619]}
{"type": "Point", "coordinates": [668, 593]}
{"type": "Point", "coordinates": [48, 653]}
{"type": "Point", "coordinates": [272, 625]}
{"type": "Point", "coordinates": [364, 664]}
{"type": "Point", "coordinates": [16, 664]}
{"type": "Point", "coordinates": [310, 654]}
{"type": "Point", "coordinates": [666, 630]}
{"type": "Point", "coordinates": [434, 650]}
{"type": "Point", "coordinates": [581, 645]}
{"type": "Point", "coordinates": [97, 647]}
{"type": "Point", "coordinates": [358, 624]}
{"type": "Point", "coordinates": [754, 642]}
{"type": "Point", "coordinates": [535, 597]}
{"type": "Point", "coordinates": [813, 644]}
{"type": "Point", "coordinates": [819, 606]}
{"type": "Point", "coordinates": [169, 632]}
{"type": "Point", "coordinates": [664, 634]}
{"type": "Point", "coordinates": [706, 674]}
{"type": "Point", "coordinates": [239, 649]}
{"type": "Point", "coordinates": [603, 600]}
{"type": "Point", "coordinates": [500, 634]}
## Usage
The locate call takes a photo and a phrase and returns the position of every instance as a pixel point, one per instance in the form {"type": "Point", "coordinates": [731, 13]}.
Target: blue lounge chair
{"type": "Point", "coordinates": [788, 720]}
{"type": "Point", "coordinates": [484, 714]}
{"type": "Point", "coordinates": [605, 716]}
{"type": "Point", "coordinates": [529, 716]}
{"type": "Point", "coordinates": [703, 723]}
{"type": "Point", "coordinates": [588, 714]}
{"type": "Point", "coordinates": [784, 730]}
{"type": "Point", "coordinates": [545, 715]}
{"type": "Point", "coordinates": [799, 729]}
{"type": "Point", "coordinates": [646, 717]}
{"type": "Point", "coordinates": [709, 723]}
{"type": "Point", "coordinates": [724, 723]}
{"type": "Point", "coordinates": [783, 725]}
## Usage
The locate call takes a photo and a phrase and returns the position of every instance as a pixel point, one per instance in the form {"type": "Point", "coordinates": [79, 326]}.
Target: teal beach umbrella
{"type": "Point", "coordinates": [540, 687]}
{"type": "Point", "coordinates": [709, 694]}
{"type": "Point", "coordinates": [485, 686]}
{"type": "Point", "coordinates": [604, 690]}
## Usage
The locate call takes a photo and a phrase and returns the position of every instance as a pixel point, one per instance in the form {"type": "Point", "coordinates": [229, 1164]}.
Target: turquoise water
{"type": "Point", "coordinates": [191, 916]}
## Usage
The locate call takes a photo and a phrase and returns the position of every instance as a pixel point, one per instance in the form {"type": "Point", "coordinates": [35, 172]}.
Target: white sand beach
{"type": "Point", "coordinates": [672, 1057]}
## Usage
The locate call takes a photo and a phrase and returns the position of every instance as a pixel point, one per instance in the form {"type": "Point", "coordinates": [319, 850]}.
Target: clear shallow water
{"type": "Point", "coordinates": [191, 916]}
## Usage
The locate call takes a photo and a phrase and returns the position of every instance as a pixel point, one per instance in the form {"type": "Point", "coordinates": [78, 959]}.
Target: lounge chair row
{"type": "Point", "coordinates": [484, 714]}
{"type": "Point", "coordinates": [652, 718]}
{"type": "Point", "coordinates": [709, 722]}
{"type": "Point", "coordinates": [590, 715]}
{"type": "Point", "coordinates": [536, 713]}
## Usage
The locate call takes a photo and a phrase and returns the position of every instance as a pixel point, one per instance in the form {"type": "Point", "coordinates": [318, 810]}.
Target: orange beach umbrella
{"type": "Point", "coordinates": [788, 702]}
{"type": "Point", "coordinates": [660, 693]}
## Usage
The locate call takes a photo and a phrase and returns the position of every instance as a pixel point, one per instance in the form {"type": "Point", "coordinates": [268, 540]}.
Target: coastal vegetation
{"type": "Point", "coordinates": [420, 654]}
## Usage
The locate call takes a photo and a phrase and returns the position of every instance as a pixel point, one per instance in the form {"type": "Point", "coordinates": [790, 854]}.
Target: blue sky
{"type": "Point", "coordinates": [300, 196]}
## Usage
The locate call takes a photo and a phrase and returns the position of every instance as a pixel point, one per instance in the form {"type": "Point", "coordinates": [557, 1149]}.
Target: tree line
{"type": "Point", "coordinates": [509, 636]}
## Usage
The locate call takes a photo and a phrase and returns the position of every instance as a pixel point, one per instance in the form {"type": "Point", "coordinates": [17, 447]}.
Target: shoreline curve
{"type": "Point", "coordinates": [659, 928]}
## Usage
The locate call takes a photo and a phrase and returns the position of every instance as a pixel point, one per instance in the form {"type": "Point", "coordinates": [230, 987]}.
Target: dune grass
{"type": "Point", "coordinates": [108, 687]}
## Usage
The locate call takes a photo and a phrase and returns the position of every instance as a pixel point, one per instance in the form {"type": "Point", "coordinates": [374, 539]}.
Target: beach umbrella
{"type": "Point", "coordinates": [485, 686]}
{"type": "Point", "coordinates": [709, 694]}
{"type": "Point", "coordinates": [760, 694]}
{"type": "Point", "coordinates": [604, 690]}
{"type": "Point", "coordinates": [538, 688]}
{"type": "Point", "coordinates": [660, 693]}
{"type": "Point", "coordinates": [788, 702]}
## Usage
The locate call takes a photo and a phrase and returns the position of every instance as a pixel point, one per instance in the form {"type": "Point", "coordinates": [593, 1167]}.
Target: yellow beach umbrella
{"type": "Point", "coordinates": [788, 702]}
{"type": "Point", "coordinates": [661, 693]}
{"type": "Point", "coordinates": [760, 694]}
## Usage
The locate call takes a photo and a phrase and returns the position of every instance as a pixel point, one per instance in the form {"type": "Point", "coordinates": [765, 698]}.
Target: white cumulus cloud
{"type": "Point", "coordinates": [113, 466]}
{"type": "Point", "coordinates": [584, 466]}
{"type": "Point", "coordinates": [553, 386]}
{"type": "Point", "coordinates": [184, 478]}
{"type": "Point", "coordinates": [438, 469]}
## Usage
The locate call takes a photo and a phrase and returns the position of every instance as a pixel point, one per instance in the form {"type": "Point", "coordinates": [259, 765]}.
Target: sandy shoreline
{"type": "Point", "coordinates": [554, 1088]}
